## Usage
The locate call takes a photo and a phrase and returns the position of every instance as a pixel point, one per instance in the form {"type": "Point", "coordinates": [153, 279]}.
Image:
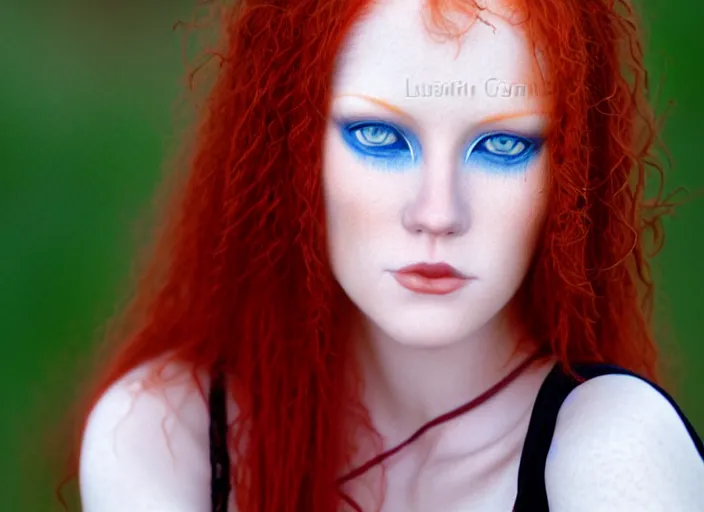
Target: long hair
{"type": "Point", "coordinates": [240, 276]}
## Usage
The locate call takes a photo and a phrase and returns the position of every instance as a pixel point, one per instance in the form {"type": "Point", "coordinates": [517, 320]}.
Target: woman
{"type": "Point", "coordinates": [403, 215]}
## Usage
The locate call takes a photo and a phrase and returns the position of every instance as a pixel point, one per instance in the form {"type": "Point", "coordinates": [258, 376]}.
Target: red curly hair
{"type": "Point", "coordinates": [239, 276]}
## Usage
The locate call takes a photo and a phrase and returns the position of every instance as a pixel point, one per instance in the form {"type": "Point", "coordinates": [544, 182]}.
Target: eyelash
{"type": "Point", "coordinates": [404, 149]}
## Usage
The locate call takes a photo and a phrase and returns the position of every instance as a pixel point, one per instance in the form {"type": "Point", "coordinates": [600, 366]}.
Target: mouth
{"type": "Point", "coordinates": [431, 278]}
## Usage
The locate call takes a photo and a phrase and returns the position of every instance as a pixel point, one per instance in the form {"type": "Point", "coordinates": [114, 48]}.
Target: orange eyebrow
{"type": "Point", "coordinates": [381, 103]}
{"type": "Point", "coordinates": [486, 120]}
{"type": "Point", "coordinates": [511, 115]}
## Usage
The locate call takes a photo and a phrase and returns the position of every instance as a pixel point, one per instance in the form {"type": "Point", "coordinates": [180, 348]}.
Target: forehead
{"type": "Point", "coordinates": [390, 54]}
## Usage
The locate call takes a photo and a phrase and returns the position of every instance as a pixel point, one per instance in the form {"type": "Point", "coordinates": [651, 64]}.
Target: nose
{"type": "Point", "coordinates": [438, 208]}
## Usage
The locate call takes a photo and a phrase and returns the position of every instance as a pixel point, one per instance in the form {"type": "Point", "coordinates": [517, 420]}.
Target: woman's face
{"type": "Point", "coordinates": [433, 156]}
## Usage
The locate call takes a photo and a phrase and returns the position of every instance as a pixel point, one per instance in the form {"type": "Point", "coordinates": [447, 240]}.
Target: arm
{"type": "Point", "coordinates": [619, 445]}
{"type": "Point", "coordinates": [147, 450]}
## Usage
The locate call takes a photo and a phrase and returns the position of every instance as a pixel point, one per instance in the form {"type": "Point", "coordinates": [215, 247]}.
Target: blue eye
{"type": "Point", "coordinates": [504, 149]}
{"type": "Point", "coordinates": [376, 136]}
{"type": "Point", "coordinates": [380, 143]}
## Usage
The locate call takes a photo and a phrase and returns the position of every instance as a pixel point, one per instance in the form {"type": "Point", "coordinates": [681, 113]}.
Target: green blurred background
{"type": "Point", "coordinates": [87, 98]}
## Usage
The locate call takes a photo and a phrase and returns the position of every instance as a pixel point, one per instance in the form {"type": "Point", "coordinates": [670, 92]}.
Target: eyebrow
{"type": "Point", "coordinates": [381, 103]}
{"type": "Point", "coordinates": [486, 120]}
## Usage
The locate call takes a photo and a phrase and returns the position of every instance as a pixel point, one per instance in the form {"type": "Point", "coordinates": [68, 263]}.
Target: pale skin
{"type": "Point", "coordinates": [424, 355]}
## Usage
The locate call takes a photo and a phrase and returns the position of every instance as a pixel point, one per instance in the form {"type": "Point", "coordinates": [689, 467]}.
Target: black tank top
{"type": "Point", "coordinates": [531, 495]}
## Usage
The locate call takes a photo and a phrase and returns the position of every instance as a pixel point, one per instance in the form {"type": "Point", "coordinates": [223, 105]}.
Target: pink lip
{"type": "Point", "coordinates": [431, 278]}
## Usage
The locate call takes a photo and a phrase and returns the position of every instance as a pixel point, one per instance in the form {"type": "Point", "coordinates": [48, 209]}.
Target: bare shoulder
{"type": "Point", "coordinates": [620, 445]}
{"type": "Point", "coordinates": [146, 448]}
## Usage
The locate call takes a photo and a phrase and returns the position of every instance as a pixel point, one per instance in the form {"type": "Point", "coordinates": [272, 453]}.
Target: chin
{"type": "Point", "coordinates": [430, 331]}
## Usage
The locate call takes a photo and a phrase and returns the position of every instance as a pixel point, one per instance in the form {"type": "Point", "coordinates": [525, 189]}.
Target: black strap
{"type": "Point", "coordinates": [532, 495]}
{"type": "Point", "coordinates": [219, 455]}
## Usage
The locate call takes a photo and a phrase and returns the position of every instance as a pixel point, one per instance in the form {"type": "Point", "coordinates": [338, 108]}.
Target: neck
{"type": "Point", "coordinates": [405, 387]}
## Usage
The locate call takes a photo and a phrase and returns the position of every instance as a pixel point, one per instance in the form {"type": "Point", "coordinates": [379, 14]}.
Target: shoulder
{"type": "Point", "coordinates": [620, 445]}
{"type": "Point", "coordinates": [147, 447]}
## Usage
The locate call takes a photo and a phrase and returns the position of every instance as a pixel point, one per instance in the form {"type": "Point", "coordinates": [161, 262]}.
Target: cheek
{"type": "Point", "coordinates": [359, 201]}
{"type": "Point", "coordinates": [509, 214]}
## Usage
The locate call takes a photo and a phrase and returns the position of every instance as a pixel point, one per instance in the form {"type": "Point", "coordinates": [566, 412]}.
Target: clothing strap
{"type": "Point", "coordinates": [532, 495]}
{"type": "Point", "coordinates": [219, 455]}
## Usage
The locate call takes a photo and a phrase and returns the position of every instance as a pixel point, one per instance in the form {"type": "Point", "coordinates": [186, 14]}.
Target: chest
{"type": "Point", "coordinates": [482, 483]}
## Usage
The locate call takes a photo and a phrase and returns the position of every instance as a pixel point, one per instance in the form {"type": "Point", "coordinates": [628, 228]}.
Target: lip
{"type": "Point", "coordinates": [431, 278]}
